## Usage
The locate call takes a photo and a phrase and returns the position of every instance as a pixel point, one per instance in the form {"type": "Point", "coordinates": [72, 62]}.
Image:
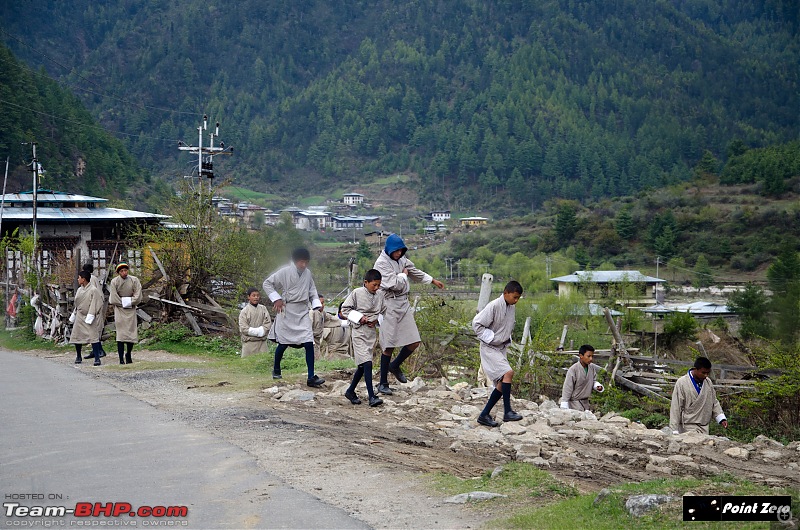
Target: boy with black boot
{"type": "Point", "coordinates": [362, 308]}
{"type": "Point", "coordinates": [398, 327]}
{"type": "Point", "coordinates": [291, 289]}
{"type": "Point", "coordinates": [125, 293]}
{"type": "Point", "coordinates": [494, 325]}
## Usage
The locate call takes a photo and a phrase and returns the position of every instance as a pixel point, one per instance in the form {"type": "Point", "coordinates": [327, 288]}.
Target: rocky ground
{"type": "Point", "coordinates": [376, 462]}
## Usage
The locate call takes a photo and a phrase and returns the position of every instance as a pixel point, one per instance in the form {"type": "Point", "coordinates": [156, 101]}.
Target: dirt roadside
{"type": "Point", "coordinates": [376, 462]}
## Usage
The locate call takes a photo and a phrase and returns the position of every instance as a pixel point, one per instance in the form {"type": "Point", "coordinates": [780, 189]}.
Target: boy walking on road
{"type": "Point", "coordinates": [494, 325]}
{"type": "Point", "coordinates": [398, 327]}
{"type": "Point", "coordinates": [291, 289]}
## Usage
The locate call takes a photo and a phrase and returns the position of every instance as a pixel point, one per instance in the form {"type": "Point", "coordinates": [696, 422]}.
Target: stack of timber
{"type": "Point", "coordinates": [160, 303]}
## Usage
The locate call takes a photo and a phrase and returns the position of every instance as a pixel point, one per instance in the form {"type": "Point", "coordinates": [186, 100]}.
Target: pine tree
{"type": "Point", "coordinates": [624, 224]}
{"type": "Point", "coordinates": [702, 271]}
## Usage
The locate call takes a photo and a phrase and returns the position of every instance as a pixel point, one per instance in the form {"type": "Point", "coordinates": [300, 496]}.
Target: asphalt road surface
{"type": "Point", "coordinates": [67, 439]}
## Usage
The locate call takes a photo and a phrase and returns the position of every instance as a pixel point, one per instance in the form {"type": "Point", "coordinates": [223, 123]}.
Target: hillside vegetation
{"type": "Point", "coordinates": [77, 154]}
{"type": "Point", "coordinates": [502, 105]}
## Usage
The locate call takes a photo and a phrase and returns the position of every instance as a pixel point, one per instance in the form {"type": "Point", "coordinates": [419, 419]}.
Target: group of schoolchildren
{"type": "Point", "coordinates": [383, 302]}
{"type": "Point", "coordinates": [88, 316]}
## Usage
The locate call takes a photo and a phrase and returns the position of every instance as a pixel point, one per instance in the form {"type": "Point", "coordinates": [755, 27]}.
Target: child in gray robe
{"type": "Point", "coordinates": [580, 380]}
{"type": "Point", "coordinates": [399, 328]}
{"type": "Point", "coordinates": [362, 308]}
{"type": "Point", "coordinates": [88, 305]}
{"type": "Point", "coordinates": [494, 325]}
{"type": "Point", "coordinates": [291, 290]}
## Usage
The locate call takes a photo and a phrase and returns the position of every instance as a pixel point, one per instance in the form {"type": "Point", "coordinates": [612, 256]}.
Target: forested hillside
{"type": "Point", "coordinates": [77, 154]}
{"type": "Point", "coordinates": [496, 104]}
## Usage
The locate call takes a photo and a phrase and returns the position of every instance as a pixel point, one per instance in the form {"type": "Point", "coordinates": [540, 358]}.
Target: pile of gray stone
{"type": "Point", "coordinates": [551, 437]}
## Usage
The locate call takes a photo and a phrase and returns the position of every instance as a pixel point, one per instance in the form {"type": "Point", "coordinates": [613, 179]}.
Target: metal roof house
{"type": "Point", "coordinates": [353, 199]}
{"type": "Point", "coordinates": [72, 227]}
{"type": "Point", "coordinates": [699, 309]}
{"type": "Point", "coordinates": [625, 287]}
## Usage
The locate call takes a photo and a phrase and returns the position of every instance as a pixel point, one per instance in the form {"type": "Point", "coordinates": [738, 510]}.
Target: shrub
{"type": "Point", "coordinates": [679, 327]}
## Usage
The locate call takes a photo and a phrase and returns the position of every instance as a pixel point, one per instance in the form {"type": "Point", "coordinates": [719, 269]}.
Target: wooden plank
{"type": "Point", "coordinates": [144, 316]}
{"type": "Point", "coordinates": [211, 300]}
{"type": "Point", "coordinates": [215, 327]}
{"type": "Point", "coordinates": [206, 307]}
{"type": "Point", "coordinates": [159, 264]}
{"type": "Point", "coordinates": [152, 281]}
{"type": "Point", "coordinates": [187, 309]}
{"type": "Point", "coordinates": [639, 389]}
{"type": "Point", "coordinates": [189, 315]}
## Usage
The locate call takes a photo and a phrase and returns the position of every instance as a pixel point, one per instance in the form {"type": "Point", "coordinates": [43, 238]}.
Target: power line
{"type": "Point", "coordinates": [101, 93]}
{"type": "Point", "coordinates": [86, 125]}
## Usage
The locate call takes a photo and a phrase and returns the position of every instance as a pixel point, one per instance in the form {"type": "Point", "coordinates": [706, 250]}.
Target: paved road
{"type": "Point", "coordinates": [64, 433]}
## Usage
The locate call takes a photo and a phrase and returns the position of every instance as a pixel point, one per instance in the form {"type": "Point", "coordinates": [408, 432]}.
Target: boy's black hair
{"type": "Point", "coordinates": [586, 347]}
{"type": "Point", "coordinates": [702, 362]}
{"type": "Point", "coordinates": [85, 275]}
{"type": "Point", "coordinates": [301, 254]}
{"type": "Point", "coordinates": [251, 290]}
{"type": "Point", "coordinates": [513, 287]}
{"type": "Point", "coordinates": [88, 268]}
{"type": "Point", "coordinates": [372, 275]}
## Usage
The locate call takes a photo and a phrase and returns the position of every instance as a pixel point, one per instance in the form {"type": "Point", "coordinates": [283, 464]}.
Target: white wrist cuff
{"type": "Point", "coordinates": [315, 303]}
{"type": "Point", "coordinates": [89, 319]}
{"type": "Point", "coordinates": [720, 417]}
{"type": "Point", "coordinates": [380, 320]}
{"type": "Point", "coordinates": [344, 323]}
{"type": "Point", "coordinates": [355, 316]}
{"type": "Point", "coordinates": [598, 387]}
{"type": "Point", "coordinates": [126, 302]}
{"type": "Point", "coordinates": [487, 335]}
{"type": "Point", "coordinates": [274, 296]}
{"type": "Point", "coordinates": [402, 275]}
{"type": "Point", "coordinates": [427, 278]}
{"type": "Point", "coordinates": [565, 405]}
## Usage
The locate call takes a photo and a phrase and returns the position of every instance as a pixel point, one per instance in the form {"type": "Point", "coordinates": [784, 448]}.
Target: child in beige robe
{"type": "Point", "coordinates": [254, 324]}
{"type": "Point", "coordinates": [694, 401]}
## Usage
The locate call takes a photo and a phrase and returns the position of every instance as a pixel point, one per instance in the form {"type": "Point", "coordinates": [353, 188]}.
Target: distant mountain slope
{"type": "Point", "coordinates": [500, 103]}
{"type": "Point", "coordinates": [76, 153]}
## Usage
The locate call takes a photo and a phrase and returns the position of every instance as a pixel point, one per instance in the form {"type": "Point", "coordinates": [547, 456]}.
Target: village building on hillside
{"type": "Point", "coordinates": [699, 309]}
{"type": "Point", "coordinates": [353, 199]}
{"type": "Point", "coordinates": [438, 216]}
{"type": "Point", "coordinates": [341, 222]}
{"type": "Point", "coordinates": [625, 287]}
{"type": "Point", "coordinates": [249, 212]}
{"type": "Point", "coordinates": [73, 229]}
{"type": "Point", "coordinates": [473, 221]}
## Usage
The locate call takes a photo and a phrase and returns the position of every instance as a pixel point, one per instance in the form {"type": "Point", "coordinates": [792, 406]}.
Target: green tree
{"type": "Point", "coordinates": [703, 276]}
{"type": "Point", "coordinates": [784, 282]}
{"type": "Point", "coordinates": [624, 224]}
{"type": "Point", "coordinates": [662, 234]}
{"type": "Point", "coordinates": [364, 251]}
{"type": "Point", "coordinates": [708, 165]}
{"type": "Point", "coordinates": [566, 223]}
{"type": "Point", "coordinates": [679, 327]}
{"type": "Point", "coordinates": [751, 304]}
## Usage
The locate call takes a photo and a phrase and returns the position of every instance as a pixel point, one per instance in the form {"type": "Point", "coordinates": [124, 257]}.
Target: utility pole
{"type": "Point", "coordinates": [655, 329]}
{"type": "Point", "coordinates": [35, 169]}
{"type": "Point", "coordinates": [205, 155]}
{"type": "Point", "coordinates": [655, 289]}
{"type": "Point", "coordinates": [547, 265]}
